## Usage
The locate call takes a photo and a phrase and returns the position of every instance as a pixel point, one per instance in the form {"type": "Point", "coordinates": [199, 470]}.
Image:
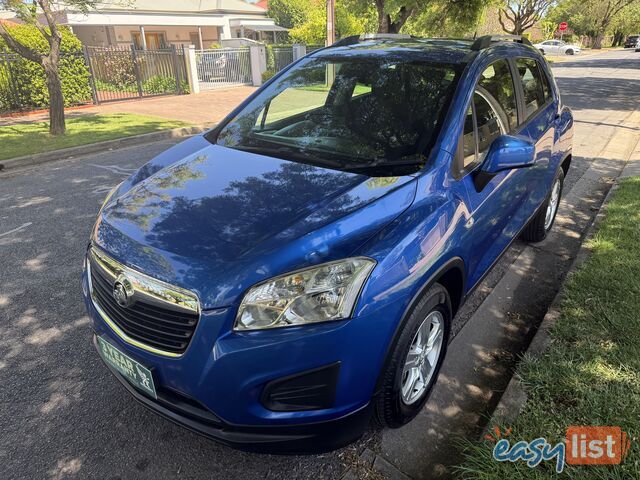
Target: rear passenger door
{"type": "Point", "coordinates": [538, 112]}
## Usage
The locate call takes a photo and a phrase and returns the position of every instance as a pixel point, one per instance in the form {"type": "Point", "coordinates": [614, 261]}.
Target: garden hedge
{"type": "Point", "coordinates": [22, 82]}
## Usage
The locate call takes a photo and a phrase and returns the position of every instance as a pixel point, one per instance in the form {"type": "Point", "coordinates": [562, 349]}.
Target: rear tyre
{"type": "Point", "coordinates": [569, 52]}
{"type": "Point", "coordinates": [541, 223]}
{"type": "Point", "coordinates": [415, 360]}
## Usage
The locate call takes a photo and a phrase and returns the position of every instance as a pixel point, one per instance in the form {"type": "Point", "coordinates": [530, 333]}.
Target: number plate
{"type": "Point", "coordinates": [139, 376]}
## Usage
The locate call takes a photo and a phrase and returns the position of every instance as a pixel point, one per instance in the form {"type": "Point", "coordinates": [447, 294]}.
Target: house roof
{"type": "Point", "coordinates": [263, 4]}
{"type": "Point", "coordinates": [183, 6]}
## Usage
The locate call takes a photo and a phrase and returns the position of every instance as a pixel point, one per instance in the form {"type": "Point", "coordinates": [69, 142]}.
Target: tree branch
{"type": "Point", "coordinates": [19, 48]}
{"type": "Point", "coordinates": [502, 24]}
{"type": "Point", "coordinates": [51, 21]}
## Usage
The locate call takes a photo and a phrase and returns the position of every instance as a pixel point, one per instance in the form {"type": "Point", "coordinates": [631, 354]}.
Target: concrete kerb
{"type": "Point", "coordinates": [29, 160]}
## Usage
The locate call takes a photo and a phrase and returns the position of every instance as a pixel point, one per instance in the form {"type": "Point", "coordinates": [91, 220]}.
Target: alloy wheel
{"type": "Point", "coordinates": [424, 352]}
{"type": "Point", "coordinates": [552, 207]}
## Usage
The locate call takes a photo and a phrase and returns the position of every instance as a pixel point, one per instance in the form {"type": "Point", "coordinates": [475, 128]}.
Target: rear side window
{"type": "Point", "coordinates": [497, 84]}
{"type": "Point", "coordinates": [534, 84]}
{"type": "Point", "coordinates": [545, 84]}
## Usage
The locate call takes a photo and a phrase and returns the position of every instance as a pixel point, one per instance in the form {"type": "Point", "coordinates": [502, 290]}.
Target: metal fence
{"type": "Point", "coordinates": [23, 83]}
{"type": "Point", "coordinates": [223, 67]}
{"type": "Point", "coordinates": [104, 74]}
{"type": "Point", "coordinates": [124, 73]}
{"type": "Point", "coordinates": [282, 56]}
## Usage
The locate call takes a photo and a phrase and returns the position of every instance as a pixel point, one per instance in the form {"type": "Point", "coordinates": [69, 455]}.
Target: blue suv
{"type": "Point", "coordinates": [292, 274]}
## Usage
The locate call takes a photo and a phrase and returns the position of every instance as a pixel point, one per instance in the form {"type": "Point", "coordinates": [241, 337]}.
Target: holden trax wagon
{"type": "Point", "coordinates": [291, 275]}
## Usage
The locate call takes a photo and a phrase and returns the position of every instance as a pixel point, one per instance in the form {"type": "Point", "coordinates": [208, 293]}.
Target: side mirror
{"type": "Point", "coordinates": [507, 152]}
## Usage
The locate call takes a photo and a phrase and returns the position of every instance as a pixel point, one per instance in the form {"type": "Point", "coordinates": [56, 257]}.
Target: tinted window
{"type": "Point", "coordinates": [545, 84]}
{"type": "Point", "coordinates": [534, 97]}
{"type": "Point", "coordinates": [490, 125]}
{"type": "Point", "coordinates": [496, 82]}
{"type": "Point", "coordinates": [350, 115]}
{"type": "Point", "coordinates": [468, 140]}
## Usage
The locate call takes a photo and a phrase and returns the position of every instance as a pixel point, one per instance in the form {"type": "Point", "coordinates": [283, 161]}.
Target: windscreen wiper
{"type": "Point", "coordinates": [288, 154]}
{"type": "Point", "coordinates": [415, 160]}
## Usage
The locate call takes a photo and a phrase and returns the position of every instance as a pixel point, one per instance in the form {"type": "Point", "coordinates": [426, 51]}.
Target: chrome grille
{"type": "Point", "coordinates": [160, 318]}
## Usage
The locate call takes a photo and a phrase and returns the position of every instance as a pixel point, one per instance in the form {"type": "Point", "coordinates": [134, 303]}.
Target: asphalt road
{"type": "Point", "coordinates": [61, 413]}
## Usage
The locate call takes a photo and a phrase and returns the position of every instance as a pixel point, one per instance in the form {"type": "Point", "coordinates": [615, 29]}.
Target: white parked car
{"type": "Point", "coordinates": [557, 47]}
{"type": "Point", "coordinates": [638, 46]}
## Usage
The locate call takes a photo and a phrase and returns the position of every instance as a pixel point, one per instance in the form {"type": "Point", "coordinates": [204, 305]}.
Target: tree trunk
{"type": "Point", "coordinates": [517, 28]}
{"type": "Point", "coordinates": [57, 124]}
{"type": "Point", "coordinates": [384, 22]}
{"type": "Point", "coordinates": [597, 42]}
{"type": "Point", "coordinates": [618, 39]}
{"type": "Point", "coordinates": [395, 27]}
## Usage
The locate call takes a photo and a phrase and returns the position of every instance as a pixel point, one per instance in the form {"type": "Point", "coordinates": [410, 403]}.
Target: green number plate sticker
{"type": "Point", "coordinates": [139, 376]}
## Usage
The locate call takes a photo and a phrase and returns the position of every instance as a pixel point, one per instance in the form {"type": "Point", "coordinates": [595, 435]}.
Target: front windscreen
{"type": "Point", "coordinates": [370, 115]}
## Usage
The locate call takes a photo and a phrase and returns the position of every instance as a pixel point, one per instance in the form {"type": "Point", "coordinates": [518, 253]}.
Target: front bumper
{"type": "Point", "coordinates": [291, 439]}
{"type": "Point", "coordinates": [215, 388]}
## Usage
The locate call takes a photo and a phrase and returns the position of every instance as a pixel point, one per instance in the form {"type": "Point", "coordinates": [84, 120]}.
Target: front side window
{"type": "Point", "coordinates": [496, 82]}
{"type": "Point", "coordinates": [468, 140]}
{"type": "Point", "coordinates": [489, 123]}
{"type": "Point", "coordinates": [354, 115]}
{"type": "Point", "coordinates": [530, 76]}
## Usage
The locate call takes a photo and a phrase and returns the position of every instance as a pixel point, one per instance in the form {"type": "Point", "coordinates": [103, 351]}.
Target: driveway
{"type": "Point", "coordinates": [63, 415]}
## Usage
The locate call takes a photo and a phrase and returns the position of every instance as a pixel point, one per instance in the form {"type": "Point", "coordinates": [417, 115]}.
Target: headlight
{"type": "Point", "coordinates": [317, 294]}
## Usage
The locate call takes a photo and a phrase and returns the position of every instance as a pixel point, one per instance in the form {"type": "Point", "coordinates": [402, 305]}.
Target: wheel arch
{"type": "Point", "coordinates": [451, 275]}
{"type": "Point", "coordinates": [565, 164]}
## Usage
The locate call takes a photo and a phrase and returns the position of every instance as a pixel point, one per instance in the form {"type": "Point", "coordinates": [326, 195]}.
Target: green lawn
{"type": "Point", "coordinates": [590, 374]}
{"type": "Point", "coordinates": [25, 139]}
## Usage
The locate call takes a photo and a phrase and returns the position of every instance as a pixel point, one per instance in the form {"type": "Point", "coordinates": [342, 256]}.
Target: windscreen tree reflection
{"type": "Point", "coordinates": [355, 115]}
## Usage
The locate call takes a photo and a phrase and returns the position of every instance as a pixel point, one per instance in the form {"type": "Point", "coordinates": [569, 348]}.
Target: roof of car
{"type": "Point", "coordinates": [449, 50]}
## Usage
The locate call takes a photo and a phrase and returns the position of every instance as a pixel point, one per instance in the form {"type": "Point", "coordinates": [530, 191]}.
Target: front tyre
{"type": "Point", "coordinates": [541, 223]}
{"type": "Point", "coordinates": [415, 360]}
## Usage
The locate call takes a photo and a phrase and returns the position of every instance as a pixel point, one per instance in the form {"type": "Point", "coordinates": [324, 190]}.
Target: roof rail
{"type": "Point", "coordinates": [486, 40]}
{"type": "Point", "coordinates": [353, 39]}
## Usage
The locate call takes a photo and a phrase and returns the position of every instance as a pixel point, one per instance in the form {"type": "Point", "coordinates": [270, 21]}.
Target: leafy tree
{"type": "Point", "coordinates": [306, 18]}
{"type": "Point", "coordinates": [627, 22]}
{"type": "Point", "coordinates": [444, 18]}
{"type": "Point", "coordinates": [312, 29]}
{"type": "Point", "coordinates": [593, 18]}
{"type": "Point", "coordinates": [517, 16]}
{"type": "Point", "coordinates": [289, 13]}
{"type": "Point", "coordinates": [392, 15]}
{"type": "Point", "coordinates": [34, 12]}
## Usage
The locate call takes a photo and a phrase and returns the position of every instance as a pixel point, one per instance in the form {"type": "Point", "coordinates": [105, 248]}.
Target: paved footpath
{"type": "Point", "coordinates": [63, 416]}
{"type": "Point", "coordinates": [207, 107]}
